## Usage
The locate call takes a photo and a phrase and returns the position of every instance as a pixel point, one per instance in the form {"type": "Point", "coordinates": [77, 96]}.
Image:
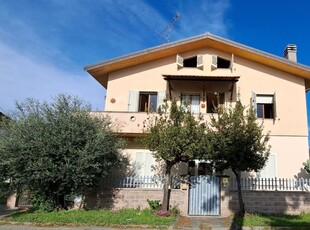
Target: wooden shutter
{"type": "Point", "coordinates": [139, 164]}
{"type": "Point", "coordinates": [274, 106]}
{"type": "Point", "coordinates": [214, 62]}
{"type": "Point", "coordinates": [253, 102]}
{"type": "Point", "coordinates": [232, 63]}
{"type": "Point", "coordinates": [148, 164]}
{"type": "Point", "coordinates": [179, 61]}
{"type": "Point", "coordinates": [144, 163]}
{"type": "Point", "coordinates": [269, 170]}
{"type": "Point", "coordinates": [200, 61]}
{"type": "Point", "coordinates": [161, 95]}
{"type": "Point", "coordinates": [133, 101]}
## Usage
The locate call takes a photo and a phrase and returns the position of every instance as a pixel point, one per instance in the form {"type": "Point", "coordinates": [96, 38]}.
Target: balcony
{"type": "Point", "coordinates": [127, 123]}
{"type": "Point", "coordinates": [132, 123]}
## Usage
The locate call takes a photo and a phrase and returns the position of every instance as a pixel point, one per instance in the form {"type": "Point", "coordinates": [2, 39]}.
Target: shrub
{"type": "Point", "coordinates": [154, 204]}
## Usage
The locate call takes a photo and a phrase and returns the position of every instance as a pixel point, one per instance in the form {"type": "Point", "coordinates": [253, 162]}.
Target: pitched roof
{"type": "Point", "coordinates": [101, 70]}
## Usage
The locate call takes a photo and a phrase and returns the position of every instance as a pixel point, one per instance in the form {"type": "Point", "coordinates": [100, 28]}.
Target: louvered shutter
{"type": "Point", "coordinates": [133, 101]}
{"type": "Point", "coordinates": [253, 102]}
{"type": "Point", "coordinates": [148, 164]}
{"type": "Point", "coordinates": [269, 171]}
{"type": "Point", "coordinates": [232, 63]}
{"type": "Point", "coordinates": [200, 61]}
{"type": "Point", "coordinates": [179, 61]}
{"type": "Point", "coordinates": [274, 102]}
{"type": "Point", "coordinates": [214, 62]}
{"type": "Point", "coordinates": [161, 95]}
{"type": "Point", "coordinates": [139, 163]}
{"type": "Point", "coordinates": [144, 163]}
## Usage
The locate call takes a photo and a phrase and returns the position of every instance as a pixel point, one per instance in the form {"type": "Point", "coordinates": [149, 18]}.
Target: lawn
{"type": "Point", "coordinates": [302, 220]}
{"type": "Point", "coordinates": [94, 218]}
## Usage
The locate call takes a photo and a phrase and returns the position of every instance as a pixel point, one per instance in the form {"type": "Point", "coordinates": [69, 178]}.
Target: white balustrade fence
{"type": "Point", "coordinates": [118, 181]}
{"type": "Point", "coordinates": [271, 184]}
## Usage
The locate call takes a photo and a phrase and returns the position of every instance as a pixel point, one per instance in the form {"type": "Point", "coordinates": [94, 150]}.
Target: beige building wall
{"type": "Point", "coordinates": [289, 131]}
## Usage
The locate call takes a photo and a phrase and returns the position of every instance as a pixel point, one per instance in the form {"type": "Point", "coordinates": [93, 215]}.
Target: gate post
{"type": "Point", "coordinates": [225, 195]}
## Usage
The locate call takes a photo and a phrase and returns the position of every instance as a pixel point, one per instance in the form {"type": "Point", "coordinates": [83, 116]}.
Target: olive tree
{"type": "Point", "coordinates": [56, 149]}
{"type": "Point", "coordinates": [175, 135]}
{"type": "Point", "coordinates": [237, 142]}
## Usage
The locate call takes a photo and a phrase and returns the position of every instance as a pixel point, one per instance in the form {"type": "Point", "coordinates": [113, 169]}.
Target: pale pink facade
{"type": "Point", "coordinates": [274, 85]}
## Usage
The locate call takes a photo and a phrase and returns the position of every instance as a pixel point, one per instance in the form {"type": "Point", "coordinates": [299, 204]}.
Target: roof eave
{"type": "Point", "coordinates": [101, 70]}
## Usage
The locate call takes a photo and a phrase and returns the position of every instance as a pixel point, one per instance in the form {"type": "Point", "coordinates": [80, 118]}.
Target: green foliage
{"type": "Point", "coordinates": [154, 204]}
{"type": "Point", "coordinates": [56, 149]}
{"type": "Point", "coordinates": [174, 135]}
{"type": "Point", "coordinates": [175, 211]}
{"type": "Point", "coordinates": [307, 166]}
{"type": "Point", "coordinates": [123, 217]}
{"type": "Point", "coordinates": [302, 220]}
{"type": "Point", "coordinates": [237, 142]}
{"type": "Point", "coordinates": [41, 203]}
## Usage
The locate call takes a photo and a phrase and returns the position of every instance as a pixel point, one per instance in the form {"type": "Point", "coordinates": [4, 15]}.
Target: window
{"type": "Point", "coordinates": [215, 101]}
{"type": "Point", "coordinates": [269, 171]}
{"type": "Point", "coordinates": [264, 105]}
{"type": "Point", "coordinates": [192, 62]}
{"type": "Point", "coordinates": [144, 163]}
{"type": "Point", "coordinates": [191, 103]}
{"type": "Point", "coordinates": [147, 102]}
{"type": "Point", "coordinates": [222, 63]}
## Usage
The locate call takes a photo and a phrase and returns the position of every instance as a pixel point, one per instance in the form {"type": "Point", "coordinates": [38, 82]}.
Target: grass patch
{"type": "Point", "coordinates": [302, 220]}
{"type": "Point", "coordinates": [94, 218]}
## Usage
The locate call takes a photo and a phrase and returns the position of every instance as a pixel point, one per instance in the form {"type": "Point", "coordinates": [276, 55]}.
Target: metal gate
{"type": "Point", "coordinates": [204, 195]}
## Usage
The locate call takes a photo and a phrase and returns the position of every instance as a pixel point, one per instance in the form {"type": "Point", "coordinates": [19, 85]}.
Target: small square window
{"type": "Point", "coordinates": [265, 106]}
{"type": "Point", "coordinates": [147, 102]}
{"type": "Point", "coordinates": [190, 62]}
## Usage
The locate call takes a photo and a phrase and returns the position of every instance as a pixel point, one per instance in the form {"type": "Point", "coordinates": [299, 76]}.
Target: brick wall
{"type": "Point", "coordinates": [289, 202]}
{"type": "Point", "coordinates": [134, 198]}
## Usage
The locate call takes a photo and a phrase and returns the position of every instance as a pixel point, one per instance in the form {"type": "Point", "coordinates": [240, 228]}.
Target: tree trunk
{"type": "Point", "coordinates": [60, 202]}
{"type": "Point", "coordinates": [241, 203]}
{"type": "Point", "coordinates": [167, 187]}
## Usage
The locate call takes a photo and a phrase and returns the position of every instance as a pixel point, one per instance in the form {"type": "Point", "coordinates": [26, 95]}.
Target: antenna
{"type": "Point", "coordinates": [165, 34]}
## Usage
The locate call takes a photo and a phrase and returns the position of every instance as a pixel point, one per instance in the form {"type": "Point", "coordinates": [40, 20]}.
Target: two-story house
{"type": "Point", "coordinates": [209, 70]}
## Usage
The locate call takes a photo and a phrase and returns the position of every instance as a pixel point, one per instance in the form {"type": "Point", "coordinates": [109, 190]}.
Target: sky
{"type": "Point", "coordinates": [44, 44]}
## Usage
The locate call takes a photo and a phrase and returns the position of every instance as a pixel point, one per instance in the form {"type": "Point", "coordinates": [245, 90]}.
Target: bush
{"type": "Point", "coordinates": [38, 203]}
{"type": "Point", "coordinates": [154, 204]}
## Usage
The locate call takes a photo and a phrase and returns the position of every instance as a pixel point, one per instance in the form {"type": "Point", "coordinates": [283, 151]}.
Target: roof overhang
{"type": "Point", "coordinates": [100, 71]}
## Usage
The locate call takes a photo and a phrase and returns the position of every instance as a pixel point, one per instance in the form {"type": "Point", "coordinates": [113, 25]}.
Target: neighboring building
{"type": "Point", "coordinates": [210, 70]}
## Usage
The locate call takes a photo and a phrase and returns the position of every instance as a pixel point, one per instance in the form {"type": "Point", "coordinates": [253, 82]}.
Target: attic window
{"type": "Point", "coordinates": [221, 63]}
{"type": "Point", "coordinates": [191, 62]}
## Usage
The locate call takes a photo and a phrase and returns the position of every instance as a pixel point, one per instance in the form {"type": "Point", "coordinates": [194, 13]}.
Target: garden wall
{"type": "Point", "coordinates": [134, 198]}
{"type": "Point", "coordinates": [276, 202]}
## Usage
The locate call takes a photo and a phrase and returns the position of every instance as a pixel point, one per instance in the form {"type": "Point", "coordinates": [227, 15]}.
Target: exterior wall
{"type": "Point", "coordinates": [288, 132]}
{"type": "Point", "coordinates": [134, 198]}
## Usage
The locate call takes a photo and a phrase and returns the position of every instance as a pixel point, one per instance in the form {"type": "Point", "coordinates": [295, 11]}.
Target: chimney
{"type": "Point", "coordinates": [290, 52]}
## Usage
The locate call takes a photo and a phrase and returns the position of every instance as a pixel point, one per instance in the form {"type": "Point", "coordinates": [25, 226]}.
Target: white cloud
{"type": "Point", "coordinates": [201, 17]}
{"type": "Point", "coordinates": [44, 47]}
{"type": "Point", "coordinates": [23, 77]}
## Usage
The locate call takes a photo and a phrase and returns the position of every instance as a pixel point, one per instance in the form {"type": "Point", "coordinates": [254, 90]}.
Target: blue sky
{"type": "Point", "coordinates": [44, 44]}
